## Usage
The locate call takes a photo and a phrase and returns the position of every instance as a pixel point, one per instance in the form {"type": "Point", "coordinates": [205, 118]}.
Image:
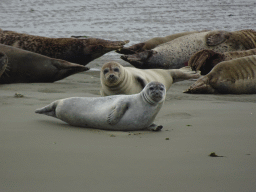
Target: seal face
{"type": "Point", "coordinates": [237, 76]}
{"type": "Point", "coordinates": [176, 53]}
{"type": "Point", "coordinates": [206, 59]}
{"type": "Point", "coordinates": [118, 112]}
{"type": "Point", "coordinates": [81, 51]}
{"type": "Point", "coordinates": [116, 79]}
{"type": "Point", "coordinates": [3, 63]}
{"type": "Point", "coordinates": [27, 67]}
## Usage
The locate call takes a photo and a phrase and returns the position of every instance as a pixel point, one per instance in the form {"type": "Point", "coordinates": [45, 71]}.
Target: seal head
{"type": "Point", "coordinates": [111, 73]}
{"type": "Point", "coordinates": [154, 93]}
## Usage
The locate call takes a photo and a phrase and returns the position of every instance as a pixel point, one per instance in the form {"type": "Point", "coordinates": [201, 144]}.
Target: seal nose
{"type": "Point", "coordinates": [111, 76]}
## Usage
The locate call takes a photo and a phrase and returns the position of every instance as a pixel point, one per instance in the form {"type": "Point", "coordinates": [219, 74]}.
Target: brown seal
{"type": "Point", "coordinates": [3, 62]}
{"type": "Point", "coordinates": [237, 76]}
{"type": "Point", "coordinates": [206, 59]}
{"type": "Point", "coordinates": [27, 67]}
{"type": "Point", "coordinates": [81, 51]}
{"type": "Point", "coordinates": [151, 43]}
{"type": "Point", "coordinates": [116, 79]}
{"type": "Point", "coordinates": [176, 53]}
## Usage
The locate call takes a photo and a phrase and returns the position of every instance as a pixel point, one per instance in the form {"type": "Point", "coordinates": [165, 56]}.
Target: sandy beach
{"type": "Point", "coordinates": [41, 153]}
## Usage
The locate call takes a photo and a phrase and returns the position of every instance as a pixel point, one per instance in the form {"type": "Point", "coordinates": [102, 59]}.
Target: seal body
{"type": "Point", "coordinates": [27, 67]}
{"type": "Point", "coordinates": [3, 62]}
{"type": "Point", "coordinates": [206, 59]}
{"type": "Point", "coordinates": [152, 43]}
{"type": "Point", "coordinates": [116, 79]}
{"type": "Point", "coordinates": [176, 53]}
{"type": "Point", "coordinates": [118, 112]}
{"type": "Point", "coordinates": [81, 51]}
{"type": "Point", "coordinates": [237, 76]}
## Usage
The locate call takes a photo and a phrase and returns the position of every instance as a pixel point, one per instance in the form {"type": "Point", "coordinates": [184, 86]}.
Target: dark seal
{"type": "Point", "coordinates": [81, 51]}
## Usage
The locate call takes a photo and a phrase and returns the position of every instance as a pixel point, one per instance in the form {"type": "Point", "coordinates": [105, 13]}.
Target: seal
{"type": "Point", "coordinates": [28, 67]}
{"type": "Point", "coordinates": [3, 63]}
{"type": "Point", "coordinates": [176, 53]}
{"type": "Point", "coordinates": [80, 51]}
{"type": "Point", "coordinates": [206, 59]}
{"type": "Point", "coordinates": [116, 79]}
{"type": "Point", "coordinates": [237, 76]}
{"type": "Point", "coordinates": [116, 112]}
{"type": "Point", "coordinates": [151, 43]}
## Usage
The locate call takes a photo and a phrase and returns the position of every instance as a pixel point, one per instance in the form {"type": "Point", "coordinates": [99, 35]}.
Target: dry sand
{"type": "Point", "coordinates": [41, 153]}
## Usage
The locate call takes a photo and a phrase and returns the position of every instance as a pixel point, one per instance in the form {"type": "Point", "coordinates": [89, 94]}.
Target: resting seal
{"type": "Point", "coordinates": [237, 76]}
{"type": "Point", "coordinates": [176, 53]}
{"type": "Point", "coordinates": [27, 67]}
{"type": "Point", "coordinates": [116, 79]}
{"type": "Point", "coordinates": [206, 59]}
{"type": "Point", "coordinates": [151, 43]}
{"type": "Point", "coordinates": [3, 62]}
{"type": "Point", "coordinates": [117, 112]}
{"type": "Point", "coordinates": [81, 51]}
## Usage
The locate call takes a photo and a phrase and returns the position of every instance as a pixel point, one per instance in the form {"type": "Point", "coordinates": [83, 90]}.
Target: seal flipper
{"type": "Point", "coordinates": [141, 81]}
{"type": "Point", "coordinates": [216, 37]}
{"type": "Point", "coordinates": [49, 109]}
{"type": "Point", "coordinates": [117, 112]}
{"type": "Point", "coordinates": [154, 127]}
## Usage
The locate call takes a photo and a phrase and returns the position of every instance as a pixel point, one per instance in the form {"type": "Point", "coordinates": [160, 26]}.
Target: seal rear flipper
{"type": "Point", "coordinates": [48, 110]}
{"type": "Point", "coordinates": [132, 49]}
{"type": "Point", "coordinates": [138, 60]}
{"type": "Point", "coordinates": [61, 64]}
{"type": "Point", "coordinates": [117, 113]}
{"type": "Point", "coordinates": [216, 37]}
{"type": "Point", "coordinates": [154, 127]}
{"type": "Point", "coordinates": [201, 86]}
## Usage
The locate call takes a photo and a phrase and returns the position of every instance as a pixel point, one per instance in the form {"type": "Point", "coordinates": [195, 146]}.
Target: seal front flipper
{"type": "Point", "coordinates": [154, 127]}
{"type": "Point", "coordinates": [216, 37]}
{"type": "Point", "coordinates": [141, 81]}
{"type": "Point", "coordinates": [117, 112]}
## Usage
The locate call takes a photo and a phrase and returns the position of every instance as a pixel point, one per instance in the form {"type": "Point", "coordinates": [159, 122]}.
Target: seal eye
{"type": "Point", "coordinates": [151, 88]}
{"type": "Point", "coordinates": [116, 69]}
{"type": "Point", "coordinates": [105, 71]}
{"type": "Point", "coordinates": [161, 88]}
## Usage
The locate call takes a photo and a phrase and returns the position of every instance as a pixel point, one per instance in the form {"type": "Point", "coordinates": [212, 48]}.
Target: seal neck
{"type": "Point", "coordinates": [146, 98]}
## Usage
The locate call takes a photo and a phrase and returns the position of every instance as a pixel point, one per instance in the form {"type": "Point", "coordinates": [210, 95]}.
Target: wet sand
{"type": "Point", "coordinates": [41, 153]}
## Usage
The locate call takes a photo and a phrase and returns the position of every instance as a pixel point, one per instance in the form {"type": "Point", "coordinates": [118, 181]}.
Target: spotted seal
{"type": "Point", "coordinates": [28, 67]}
{"type": "Point", "coordinates": [80, 51]}
{"type": "Point", "coordinates": [116, 79]}
{"type": "Point", "coordinates": [206, 59]}
{"type": "Point", "coordinates": [116, 112]}
{"type": "Point", "coordinates": [237, 76]}
{"type": "Point", "coordinates": [151, 43]}
{"type": "Point", "coordinates": [176, 53]}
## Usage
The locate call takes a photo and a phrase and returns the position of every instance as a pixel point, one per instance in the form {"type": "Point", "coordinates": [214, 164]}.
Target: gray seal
{"type": "Point", "coordinates": [237, 76]}
{"type": "Point", "coordinates": [116, 79]}
{"type": "Point", "coordinates": [28, 67]}
{"type": "Point", "coordinates": [175, 54]}
{"type": "Point", "coordinates": [117, 112]}
{"type": "Point", "coordinates": [80, 51]}
{"type": "Point", "coordinates": [3, 63]}
{"type": "Point", "coordinates": [151, 43]}
{"type": "Point", "coordinates": [206, 59]}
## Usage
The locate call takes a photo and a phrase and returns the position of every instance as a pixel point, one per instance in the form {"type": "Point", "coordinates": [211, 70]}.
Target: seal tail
{"type": "Point", "coordinates": [49, 109]}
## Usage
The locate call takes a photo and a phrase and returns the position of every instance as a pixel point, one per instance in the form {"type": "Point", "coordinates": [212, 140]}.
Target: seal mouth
{"type": "Point", "coordinates": [112, 78]}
